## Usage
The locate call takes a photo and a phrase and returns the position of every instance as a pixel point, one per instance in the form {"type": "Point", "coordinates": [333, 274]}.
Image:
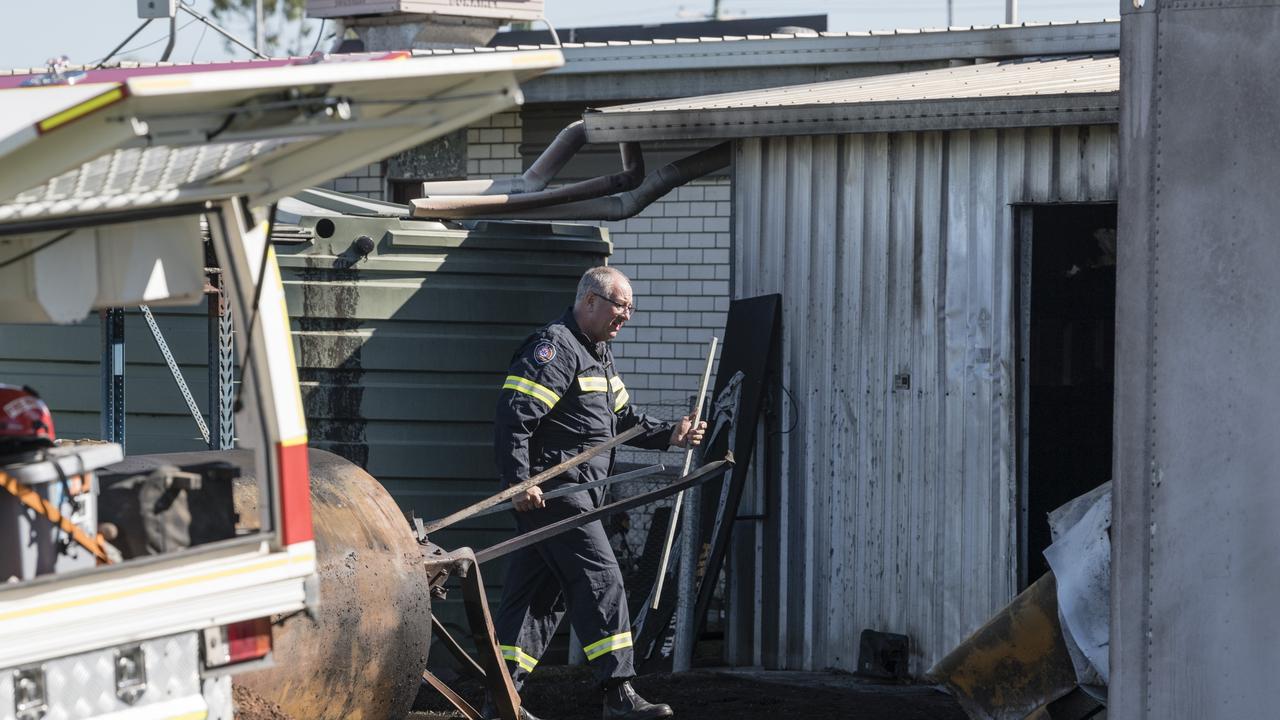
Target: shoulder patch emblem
{"type": "Point", "coordinates": [544, 353]}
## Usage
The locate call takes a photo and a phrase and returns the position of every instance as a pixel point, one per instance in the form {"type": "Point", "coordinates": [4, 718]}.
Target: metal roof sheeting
{"type": "Point", "coordinates": [895, 504]}
{"type": "Point", "coordinates": [1036, 91]}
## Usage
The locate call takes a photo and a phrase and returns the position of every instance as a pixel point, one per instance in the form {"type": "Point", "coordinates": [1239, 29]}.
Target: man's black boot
{"type": "Point", "coordinates": [490, 711]}
{"type": "Point", "coordinates": [622, 703]}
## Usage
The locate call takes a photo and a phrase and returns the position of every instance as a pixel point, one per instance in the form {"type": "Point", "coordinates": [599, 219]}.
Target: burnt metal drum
{"type": "Point", "coordinates": [363, 655]}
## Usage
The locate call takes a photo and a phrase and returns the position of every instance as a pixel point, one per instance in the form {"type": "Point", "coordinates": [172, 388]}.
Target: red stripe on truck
{"type": "Point", "coordinates": [295, 493]}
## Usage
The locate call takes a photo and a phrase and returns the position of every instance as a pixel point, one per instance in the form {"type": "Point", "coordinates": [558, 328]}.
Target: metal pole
{"type": "Point", "coordinates": [214, 27]}
{"type": "Point", "coordinates": [1010, 12]}
{"type": "Point", "coordinates": [258, 30]}
{"type": "Point", "coordinates": [950, 13]}
{"type": "Point", "coordinates": [221, 368]}
{"type": "Point", "coordinates": [113, 375]}
{"type": "Point", "coordinates": [173, 38]}
{"type": "Point", "coordinates": [688, 460]}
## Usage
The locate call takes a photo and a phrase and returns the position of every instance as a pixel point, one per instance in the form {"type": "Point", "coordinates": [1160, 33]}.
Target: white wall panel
{"type": "Point", "coordinates": [895, 506]}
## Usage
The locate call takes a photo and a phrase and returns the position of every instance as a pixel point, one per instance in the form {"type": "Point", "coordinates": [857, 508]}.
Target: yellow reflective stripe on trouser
{"type": "Point", "coordinates": [526, 661]}
{"type": "Point", "coordinates": [532, 389]}
{"type": "Point", "coordinates": [593, 384]}
{"type": "Point", "coordinates": [607, 645]}
{"type": "Point", "coordinates": [621, 397]}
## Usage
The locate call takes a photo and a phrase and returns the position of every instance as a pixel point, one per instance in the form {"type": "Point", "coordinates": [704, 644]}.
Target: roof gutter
{"type": "Point", "coordinates": [618, 206]}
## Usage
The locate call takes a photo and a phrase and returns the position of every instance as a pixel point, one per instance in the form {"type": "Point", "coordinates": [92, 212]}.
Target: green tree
{"type": "Point", "coordinates": [286, 30]}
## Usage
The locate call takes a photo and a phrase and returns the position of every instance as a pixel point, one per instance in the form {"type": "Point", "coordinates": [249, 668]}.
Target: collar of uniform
{"type": "Point", "coordinates": [596, 348]}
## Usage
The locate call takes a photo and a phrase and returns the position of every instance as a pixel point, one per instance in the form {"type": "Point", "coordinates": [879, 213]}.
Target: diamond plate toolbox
{"type": "Point", "coordinates": [158, 678]}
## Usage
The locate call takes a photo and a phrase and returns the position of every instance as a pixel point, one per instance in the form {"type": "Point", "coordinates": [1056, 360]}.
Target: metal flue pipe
{"type": "Point", "coordinates": [552, 160]}
{"type": "Point", "coordinates": [464, 206]}
{"type": "Point", "coordinates": [622, 205]}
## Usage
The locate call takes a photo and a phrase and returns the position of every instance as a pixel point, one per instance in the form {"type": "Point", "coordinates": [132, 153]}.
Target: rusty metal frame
{"type": "Point", "coordinates": [465, 564]}
{"type": "Point", "coordinates": [491, 668]}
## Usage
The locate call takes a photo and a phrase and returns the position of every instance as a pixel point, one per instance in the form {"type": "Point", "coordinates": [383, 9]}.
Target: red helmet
{"type": "Point", "coordinates": [24, 418]}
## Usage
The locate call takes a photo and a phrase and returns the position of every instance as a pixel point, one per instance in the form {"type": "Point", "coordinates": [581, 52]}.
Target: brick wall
{"type": "Point", "coordinates": [493, 150]}
{"type": "Point", "coordinates": [493, 147]}
{"type": "Point", "coordinates": [368, 181]}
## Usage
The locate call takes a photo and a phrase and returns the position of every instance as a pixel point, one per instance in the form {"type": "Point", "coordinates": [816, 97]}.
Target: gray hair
{"type": "Point", "coordinates": [602, 280]}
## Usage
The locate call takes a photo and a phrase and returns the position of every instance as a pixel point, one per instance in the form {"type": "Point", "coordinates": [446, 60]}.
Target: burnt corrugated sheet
{"type": "Point", "coordinates": [895, 493]}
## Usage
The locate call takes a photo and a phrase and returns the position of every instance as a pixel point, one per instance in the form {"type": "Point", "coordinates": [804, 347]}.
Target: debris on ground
{"type": "Point", "coordinates": [568, 693]}
{"type": "Point", "coordinates": [252, 706]}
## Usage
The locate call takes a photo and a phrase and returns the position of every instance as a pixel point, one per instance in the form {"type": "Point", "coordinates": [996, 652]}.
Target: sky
{"type": "Point", "coordinates": [86, 30]}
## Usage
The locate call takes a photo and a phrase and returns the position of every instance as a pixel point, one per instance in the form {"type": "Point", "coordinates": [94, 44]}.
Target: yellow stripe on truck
{"type": "Point", "coordinates": [75, 112]}
{"type": "Point", "coordinates": [275, 562]}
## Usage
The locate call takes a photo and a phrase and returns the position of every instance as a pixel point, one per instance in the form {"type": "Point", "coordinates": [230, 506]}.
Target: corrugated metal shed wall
{"type": "Point", "coordinates": [895, 506]}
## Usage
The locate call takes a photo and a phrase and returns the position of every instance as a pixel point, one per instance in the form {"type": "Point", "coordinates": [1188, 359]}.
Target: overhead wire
{"type": "Point", "coordinates": [203, 31]}
{"type": "Point", "coordinates": [142, 47]}
{"type": "Point", "coordinates": [319, 35]}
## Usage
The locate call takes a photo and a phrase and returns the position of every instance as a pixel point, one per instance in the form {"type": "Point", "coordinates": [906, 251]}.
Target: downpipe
{"type": "Point", "coordinates": [618, 206]}
{"type": "Point", "coordinates": [552, 160]}
{"type": "Point", "coordinates": [464, 206]}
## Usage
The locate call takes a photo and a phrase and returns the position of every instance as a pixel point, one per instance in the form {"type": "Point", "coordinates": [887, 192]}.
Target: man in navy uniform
{"type": "Point", "coordinates": [561, 396]}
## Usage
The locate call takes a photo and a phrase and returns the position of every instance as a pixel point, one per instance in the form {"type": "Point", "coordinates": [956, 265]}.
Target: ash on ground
{"type": "Point", "coordinates": [569, 693]}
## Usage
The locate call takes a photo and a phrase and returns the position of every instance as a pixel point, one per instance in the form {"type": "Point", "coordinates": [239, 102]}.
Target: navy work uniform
{"type": "Point", "coordinates": [561, 396]}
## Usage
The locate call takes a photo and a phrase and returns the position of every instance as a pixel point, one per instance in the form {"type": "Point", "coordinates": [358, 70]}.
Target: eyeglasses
{"type": "Point", "coordinates": [628, 308]}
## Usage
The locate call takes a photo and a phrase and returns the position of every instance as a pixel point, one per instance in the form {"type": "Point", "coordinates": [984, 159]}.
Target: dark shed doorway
{"type": "Point", "coordinates": [1067, 307]}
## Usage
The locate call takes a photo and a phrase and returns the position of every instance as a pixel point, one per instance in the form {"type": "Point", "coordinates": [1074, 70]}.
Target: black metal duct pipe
{"type": "Point", "coordinates": [621, 205]}
{"type": "Point", "coordinates": [566, 144]}
{"type": "Point", "coordinates": [462, 206]}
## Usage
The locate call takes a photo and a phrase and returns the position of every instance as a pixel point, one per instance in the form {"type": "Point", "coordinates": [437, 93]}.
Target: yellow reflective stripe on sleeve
{"type": "Point", "coordinates": [526, 661]}
{"type": "Point", "coordinates": [607, 645]}
{"type": "Point", "coordinates": [620, 395]}
{"type": "Point", "coordinates": [532, 389]}
{"type": "Point", "coordinates": [593, 384]}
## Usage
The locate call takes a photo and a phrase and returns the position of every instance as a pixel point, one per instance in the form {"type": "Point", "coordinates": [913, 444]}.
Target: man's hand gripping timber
{"type": "Point", "coordinates": [686, 435]}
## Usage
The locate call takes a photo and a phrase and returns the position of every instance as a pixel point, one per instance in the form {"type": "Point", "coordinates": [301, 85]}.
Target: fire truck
{"type": "Point", "coordinates": [116, 185]}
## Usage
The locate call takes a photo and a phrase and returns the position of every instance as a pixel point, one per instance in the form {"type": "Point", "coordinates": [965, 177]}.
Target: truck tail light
{"type": "Point", "coordinates": [295, 492]}
{"type": "Point", "coordinates": [237, 643]}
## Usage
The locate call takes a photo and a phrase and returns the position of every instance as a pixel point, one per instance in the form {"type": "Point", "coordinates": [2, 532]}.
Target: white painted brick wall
{"type": "Point", "coordinates": [368, 181]}
{"type": "Point", "coordinates": [493, 150]}
{"type": "Point", "coordinates": [493, 147]}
